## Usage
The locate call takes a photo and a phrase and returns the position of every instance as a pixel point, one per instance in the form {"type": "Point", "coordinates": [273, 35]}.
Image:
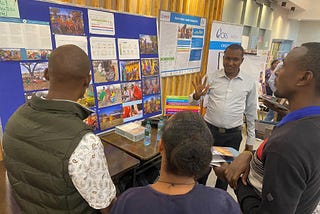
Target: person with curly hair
{"type": "Point", "coordinates": [185, 147]}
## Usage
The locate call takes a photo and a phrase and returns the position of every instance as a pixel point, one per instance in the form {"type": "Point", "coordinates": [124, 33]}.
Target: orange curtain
{"type": "Point", "coordinates": [210, 9]}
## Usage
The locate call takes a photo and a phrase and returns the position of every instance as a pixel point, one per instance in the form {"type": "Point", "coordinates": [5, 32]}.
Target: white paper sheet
{"type": "Point", "coordinates": [80, 41]}
{"type": "Point", "coordinates": [103, 48]}
{"type": "Point", "coordinates": [101, 22]}
{"type": "Point", "coordinates": [128, 49]}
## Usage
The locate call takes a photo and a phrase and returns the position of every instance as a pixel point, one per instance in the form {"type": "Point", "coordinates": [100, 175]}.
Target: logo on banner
{"type": "Point", "coordinates": [221, 35]}
{"type": "Point", "coordinates": [165, 16]}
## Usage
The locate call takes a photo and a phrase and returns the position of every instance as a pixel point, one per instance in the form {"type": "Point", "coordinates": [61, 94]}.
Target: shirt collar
{"type": "Point", "coordinates": [300, 113]}
{"type": "Point", "coordinates": [58, 105]}
{"type": "Point", "coordinates": [221, 73]}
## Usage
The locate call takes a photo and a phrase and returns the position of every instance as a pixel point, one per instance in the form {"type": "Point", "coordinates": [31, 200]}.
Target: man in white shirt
{"type": "Point", "coordinates": [231, 93]}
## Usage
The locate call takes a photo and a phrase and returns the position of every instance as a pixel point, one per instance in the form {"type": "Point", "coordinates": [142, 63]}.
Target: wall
{"type": "Point", "coordinates": [283, 27]}
{"type": "Point", "coordinates": [309, 31]}
{"type": "Point", "coordinates": [251, 13]}
{"type": "Point", "coordinates": [232, 10]}
{"type": "Point", "coordinates": [277, 21]}
{"type": "Point", "coordinates": [310, 10]}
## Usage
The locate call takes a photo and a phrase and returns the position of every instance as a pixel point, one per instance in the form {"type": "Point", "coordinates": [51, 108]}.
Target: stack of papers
{"type": "Point", "coordinates": [132, 131]}
{"type": "Point", "coordinates": [222, 155]}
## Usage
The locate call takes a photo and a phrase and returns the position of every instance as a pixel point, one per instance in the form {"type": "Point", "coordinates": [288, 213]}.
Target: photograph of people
{"type": "Point", "coordinates": [148, 44]}
{"type": "Point", "coordinates": [33, 75]}
{"type": "Point", "coordinates": [130, 70]}
{"type": "Point", "coordinates": [105, 71]}
{"type": "Point", "coordinates": [149, 67]}
{"type": "Point", "coordinates": [108, 95]}
{"type": "Point", "coordinates": [66, 21]}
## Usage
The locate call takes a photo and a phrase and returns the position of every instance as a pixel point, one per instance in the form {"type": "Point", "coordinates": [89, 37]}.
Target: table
{"type": "Point", "coordinates": [136, 149]}
{"type": "Point", "coordinates": [149, 156]}
{"type": "Point", "coordinates": [119, 162]}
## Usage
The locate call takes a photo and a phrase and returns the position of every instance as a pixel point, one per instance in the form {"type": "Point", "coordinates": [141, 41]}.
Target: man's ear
{"type": "Point", "coordinates": [305, 78]}
{"type": "Point", "coordinates": [46, 74]}
{"type": "Point", "coordinates": [161, 147]}
{"type": "Point", "coordinates": [87, 81]}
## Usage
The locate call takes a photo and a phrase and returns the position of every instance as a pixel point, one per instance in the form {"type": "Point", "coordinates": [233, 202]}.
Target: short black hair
{"type": "Point", "coordinates": [274, 61]}
{"type": "Point", "coordinates": [311, 61]}
{"type": "Point", "coordinates": [187, 143]}
{"type": "Point", "coordinates": [235, 47]}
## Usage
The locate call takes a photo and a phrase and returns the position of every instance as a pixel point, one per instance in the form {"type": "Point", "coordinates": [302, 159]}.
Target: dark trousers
{"type": "Point", "coordinates": [229, 139]}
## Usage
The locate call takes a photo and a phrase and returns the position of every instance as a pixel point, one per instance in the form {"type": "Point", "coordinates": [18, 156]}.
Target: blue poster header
{"type": "Point", "coordinates": [17, 20]}
{"type": "Point", "coordinates": [217, 45]}
{"type": "Point", "coordinates": [185, 19]}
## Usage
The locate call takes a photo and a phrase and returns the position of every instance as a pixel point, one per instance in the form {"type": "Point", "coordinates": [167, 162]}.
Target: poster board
{"type": "Point", "coordinates": [181, 43]}
{"type": "Point", "coordinates": [123, 49]}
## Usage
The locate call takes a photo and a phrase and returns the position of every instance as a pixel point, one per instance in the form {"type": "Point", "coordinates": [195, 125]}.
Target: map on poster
{"type": "Point", "coordinates": [181, 43]}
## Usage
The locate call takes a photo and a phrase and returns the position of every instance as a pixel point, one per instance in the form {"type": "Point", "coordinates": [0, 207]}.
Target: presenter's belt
{"type": "Point", "coordinates": [224, 130]}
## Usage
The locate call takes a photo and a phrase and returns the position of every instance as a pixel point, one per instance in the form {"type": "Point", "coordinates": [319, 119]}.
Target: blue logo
{"type": "Point", "coordinates": [221, 35]}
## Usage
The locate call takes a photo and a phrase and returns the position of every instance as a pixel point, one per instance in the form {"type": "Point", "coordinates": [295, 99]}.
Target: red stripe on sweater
{"type": "Point", "coordinates": [260, 149]}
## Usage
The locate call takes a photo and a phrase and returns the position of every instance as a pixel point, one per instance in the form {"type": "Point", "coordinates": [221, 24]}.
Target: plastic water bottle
{"type": "Point", "coordinates": [160, 126]}
{"type": "Point", "coordinates": [147, 134]}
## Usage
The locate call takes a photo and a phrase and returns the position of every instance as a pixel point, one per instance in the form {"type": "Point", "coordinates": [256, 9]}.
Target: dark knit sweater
{"type": "Point", "coordinates": [291, 176]}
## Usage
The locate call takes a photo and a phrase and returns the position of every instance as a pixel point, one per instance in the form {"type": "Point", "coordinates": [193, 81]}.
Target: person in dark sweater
{"type": "Point", "coordinates": [284, 173]}
{"type": "Point", "coordinates": [185, 147]}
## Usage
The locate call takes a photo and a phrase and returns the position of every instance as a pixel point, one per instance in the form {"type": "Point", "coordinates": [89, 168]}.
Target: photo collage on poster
{"type": "Point", "coordinates": [151, 89]}
{"type": "Point", "coordinates": [125, 83]}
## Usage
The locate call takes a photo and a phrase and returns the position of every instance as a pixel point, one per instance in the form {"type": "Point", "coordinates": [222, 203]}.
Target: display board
{"type": "Point", "coordinates": [181, 43]}
{"type": "Point", "coordinates": [123, 49]}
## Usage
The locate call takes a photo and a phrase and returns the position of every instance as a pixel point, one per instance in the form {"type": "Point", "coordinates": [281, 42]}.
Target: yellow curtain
{"type": "Point", "coordinates": [210, 9]}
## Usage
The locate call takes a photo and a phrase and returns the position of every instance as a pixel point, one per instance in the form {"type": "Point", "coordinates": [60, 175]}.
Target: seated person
{"type": "Point", "coordinates": [185, 147]}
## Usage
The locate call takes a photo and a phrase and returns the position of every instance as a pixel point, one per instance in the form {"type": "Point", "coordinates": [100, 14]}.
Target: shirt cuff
{"type": "Point", "coordinates": [250, 141]}
{"type": "Point", "coordinates": [193, 101]}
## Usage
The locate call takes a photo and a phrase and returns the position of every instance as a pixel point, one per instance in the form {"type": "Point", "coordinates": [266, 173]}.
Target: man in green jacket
{"type": "Point", "coordinates": [55, 163]}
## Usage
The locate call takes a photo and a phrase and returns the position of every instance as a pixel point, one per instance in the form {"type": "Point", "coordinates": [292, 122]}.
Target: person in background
{"type": "Point", "coordinates": [185, 147]}
{"type": "Point", "coordinates": [270, 115]}
{"type": "Point", "coordinates": [282, 176]}
{"type": "Point", "coordinates": [55, 163]}
{"type": "Point", "coordinates": [268, 74]}
{"type": "Point", "coordinates": [231, 93]}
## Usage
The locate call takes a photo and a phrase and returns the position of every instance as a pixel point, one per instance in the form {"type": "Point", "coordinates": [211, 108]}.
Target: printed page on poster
{"type": "Point", "coordinates": [27, 34]}
{"type": "Point", "coordinates": [182, 40]}
{"type": "Point", "coordinates": [103, 48]}
{"type": "Point", "coordinates": [101, 22]}
{"type": "Point", "coordinates": [128, 49]}
{"type": "Point", "coordinates": [80, 41]}
{"type": "Point", "coordinates": [31, 40]}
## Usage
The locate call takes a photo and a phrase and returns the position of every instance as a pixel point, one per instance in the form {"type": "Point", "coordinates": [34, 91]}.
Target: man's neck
{"type": "Point", "coordinates": [232, 75]}
{"type": "Point", "coordinates": [303, 101]}
{"type": "Point", "coordinates": [61, 96]}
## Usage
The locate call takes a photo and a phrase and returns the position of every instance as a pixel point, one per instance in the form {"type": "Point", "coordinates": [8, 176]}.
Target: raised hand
{"type": "Point", "coordinates": [200, 88]}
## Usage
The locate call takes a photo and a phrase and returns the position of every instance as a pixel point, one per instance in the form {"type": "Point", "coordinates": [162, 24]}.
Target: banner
{"type": "Point", "coordinates": [181, 43]}
{"type": "Point", "coordinates": [222, 35]}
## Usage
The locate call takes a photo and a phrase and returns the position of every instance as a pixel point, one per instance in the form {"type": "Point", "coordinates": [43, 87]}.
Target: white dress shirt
{"type": "Point", "coordinates": [89, 173]}
{"type": "Point", "coordinates": [229, 99]}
